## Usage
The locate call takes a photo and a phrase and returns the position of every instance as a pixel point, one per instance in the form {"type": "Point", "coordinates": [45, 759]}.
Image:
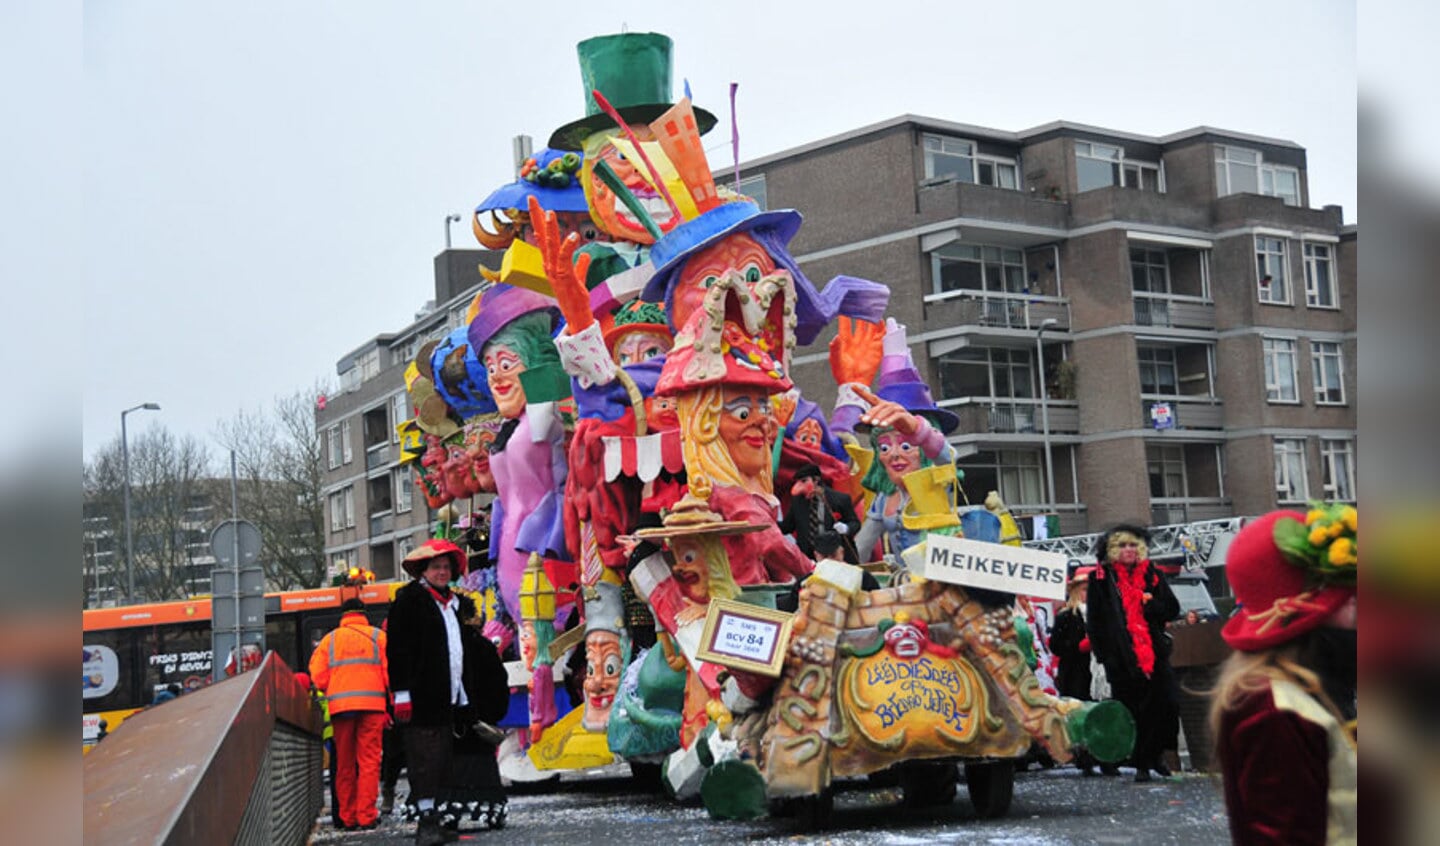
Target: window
{"type": "Point", "coordinates": [949, 158]}
{"type": "Point", "coordinates": [341, 562]}
{"type": "Point", "coordinates": [1326, 365]}
{"type": "Point", "coordinates": [399, 413]}
{"type": "Point", "coordinates": [1319, 277]}
{"type": "Point", "coordinates": [369, 365]}
{"type": "Point", "coordinates": [404, 488]}
{"type": "Point", "coordinates": [346, 440]}
{"type": "Point", "coordinates": [1157, 371]}
{"type": "Point", "coordinates": [957, 159]}
{"type": "Point", "coordinates": [337, 512]}
{"type": "Point", "coordinates": [754, 187]}
{"type": "Point", "coordinates": [332, 437]}
{"type": "Point", "coordinates": [1015, 473]}
{"type": "Point", "coordinates": [1239, 171]}
{"type": "Point", "coordinates": [1165, 464]}
{"type": "Point", "coordinates": [1290, 484]}
{"type": "Point", "coordinates": [350, 380]}
{"type": "Point", "coordinates": [1149, 270]}
{"type": "Point", "coordinates": [1274, 283]}
{"type": "Point", "coordinates": [987, 372]}
{"type": "Point", "coordinates": [1103, 165]}
{"type": "Point", "coordinates": [1097, 165]}
{"type": "Point", "coordinates": [350, 507]}
{"type": "Point", "coordinates": [957, 267]}
{"type": "Point", "coordinates": [403, 546]}
{"type": "Point", "coordinates": [1280, 370]}
{"type": "Point", "coordinates": [1337, 459]}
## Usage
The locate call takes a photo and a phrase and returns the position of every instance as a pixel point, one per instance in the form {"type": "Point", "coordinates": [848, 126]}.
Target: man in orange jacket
{"type": "Point", "coordinates": [350, 666]}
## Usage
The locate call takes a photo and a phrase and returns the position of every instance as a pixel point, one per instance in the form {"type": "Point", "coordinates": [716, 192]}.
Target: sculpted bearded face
{"type": "Point", "coordinates": [897, 455]}
{"type": "Point", "coordinates": [747, 426]}
{"type": "Point", "coordinates": [603, 668]}
{"type": "Point", "coordinates": [503, 367]}
{"type": "Point", "coordinates": [689, 570]}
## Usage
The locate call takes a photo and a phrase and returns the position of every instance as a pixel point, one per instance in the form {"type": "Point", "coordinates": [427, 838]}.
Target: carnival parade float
{"type": "Point", "coordinates": [622, 389]}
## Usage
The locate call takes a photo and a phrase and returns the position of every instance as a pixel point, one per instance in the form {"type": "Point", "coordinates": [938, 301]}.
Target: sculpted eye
{"type": "Point", "coordinates": [752, 273]}
{"type": "Point", "coordinates": [612, 666]}
{"type": "Point", "coordinates": [709, 282]}
{"type": "Point", "coordinates": [884, 448]}
{"type": "Point", "coordinates": [588, 234]}
{"type": "Point", "coordinates": [589, 668]}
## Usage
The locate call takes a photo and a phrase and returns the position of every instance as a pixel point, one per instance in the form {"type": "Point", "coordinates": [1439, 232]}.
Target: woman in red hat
{"type": "Point", "coordinates": [1283, 712]}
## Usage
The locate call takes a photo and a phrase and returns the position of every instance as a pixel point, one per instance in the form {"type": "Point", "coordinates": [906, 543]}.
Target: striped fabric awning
{"type": "Point", "coordinates": [643, 457]}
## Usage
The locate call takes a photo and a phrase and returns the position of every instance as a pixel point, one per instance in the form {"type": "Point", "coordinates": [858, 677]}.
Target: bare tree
{"type": "Point", "coordinates": [278, 462]}
{"type": "Point", "coordinates": [173, 496]}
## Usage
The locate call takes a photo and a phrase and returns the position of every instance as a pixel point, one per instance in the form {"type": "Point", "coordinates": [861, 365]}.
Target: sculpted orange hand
{"type": "Point", "coordinates": [856, 350]}
{"type": "Point", "coordinates": [565, 271]}
{"type": "Point", "coordinates": [886, 413]}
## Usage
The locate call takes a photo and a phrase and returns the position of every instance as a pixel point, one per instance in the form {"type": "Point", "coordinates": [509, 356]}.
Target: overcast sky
{"type": "Point", "coordinates": [265, 183]}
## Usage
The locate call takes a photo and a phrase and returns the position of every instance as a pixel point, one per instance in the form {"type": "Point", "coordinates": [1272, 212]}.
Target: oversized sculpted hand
{"type": "Point", "coordinates": [884, 413]}
{"type": "Point", "coordinates": [565, 271]}
{"type": "Point", "coordinates": [855, 351]}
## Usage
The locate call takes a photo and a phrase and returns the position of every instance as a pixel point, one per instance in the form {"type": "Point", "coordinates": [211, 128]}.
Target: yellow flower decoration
{"type": "Point", "coordinates": [1315, 514]}
{"type": "Point", "coordinates": [1351, 518]}
{"type": "Point", "coordinates": [1318, 536]}
{"type": "Point", "coordinates": [1343, 552]}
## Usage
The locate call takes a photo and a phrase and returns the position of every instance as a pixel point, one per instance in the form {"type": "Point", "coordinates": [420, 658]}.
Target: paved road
{"type": "Point", "coordinates": [1050, 807]}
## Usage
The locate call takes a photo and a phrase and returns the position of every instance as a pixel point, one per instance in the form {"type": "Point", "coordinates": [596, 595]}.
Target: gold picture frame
{"type": "Point", "coordinates": [746, 637]}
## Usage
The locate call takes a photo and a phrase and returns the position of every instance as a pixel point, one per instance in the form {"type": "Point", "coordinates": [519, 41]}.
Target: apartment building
{"type": "Point", "coordinates": [374, 515]}
{"type": "Point", "coordinates": [1130, 327]}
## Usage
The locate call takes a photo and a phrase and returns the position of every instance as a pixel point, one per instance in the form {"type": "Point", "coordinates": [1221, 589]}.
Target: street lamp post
{"type": "Point", "coordinates": [449, 219]}
{"type": "Point", "coordinates": [1045, 407]}
{"type": "Point", "coordinates": [125, 469]}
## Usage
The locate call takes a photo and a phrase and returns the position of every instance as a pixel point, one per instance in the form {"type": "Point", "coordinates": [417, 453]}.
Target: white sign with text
{"type": "Point", "coordinates": [1012, 569]}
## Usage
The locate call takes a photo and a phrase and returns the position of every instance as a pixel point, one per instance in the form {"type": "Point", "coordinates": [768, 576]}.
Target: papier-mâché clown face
{"type": "Point", "coordinates": [661, 413]}
{"type": "Point", "coordinates": [747, 427]}
{"type": "Point", "coordinates": [606, 209]}
{"type": "Point", "coordinates": [503, 367]}
{"type": "Point", "coordinates": [906, 640]}
{"type": "Point", "coordinates": [742, 254]}
{"type": "Point", "coordinates": [603, 667]}
{"type": "Point", "coordinates": [459, 472]}
{"type": "Point", "coordinates": [809, 433]}
{"type": "Point", "coordinates": [478, 438]}
{"type": "Point", "coordinates": [897, 454]}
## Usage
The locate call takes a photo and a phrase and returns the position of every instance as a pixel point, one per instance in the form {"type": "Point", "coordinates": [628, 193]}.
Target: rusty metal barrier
{"type": "Point", "coordinates": [236, 762]}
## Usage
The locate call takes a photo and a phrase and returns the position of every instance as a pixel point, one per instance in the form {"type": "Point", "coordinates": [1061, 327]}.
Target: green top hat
{"type": "Point", "coordinates": [632, 70]}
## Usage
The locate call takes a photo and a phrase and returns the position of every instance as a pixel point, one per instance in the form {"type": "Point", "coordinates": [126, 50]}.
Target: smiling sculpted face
{"type": "Point", "coordinates": [897, 455]}
{"type": "Point", "coordinates": [606, 209]}
{"type": "Point", "coordinates": [747, 426]}
{"type": "Point", "coordinates": [602, 676]}
{"type": "Point", "coordinates": [503, 367]}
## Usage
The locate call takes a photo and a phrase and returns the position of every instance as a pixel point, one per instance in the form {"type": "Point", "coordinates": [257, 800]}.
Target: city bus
{"type": "Point", "coordinates": [133, 652]}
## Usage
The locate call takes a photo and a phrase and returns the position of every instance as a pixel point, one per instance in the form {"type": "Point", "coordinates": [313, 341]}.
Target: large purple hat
{"type": "Point", "coordinates": [501, 306]}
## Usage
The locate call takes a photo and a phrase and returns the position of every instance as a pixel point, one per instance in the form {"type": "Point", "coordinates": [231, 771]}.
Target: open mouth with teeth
{"type": "Point", "coordinates": [601, 702]}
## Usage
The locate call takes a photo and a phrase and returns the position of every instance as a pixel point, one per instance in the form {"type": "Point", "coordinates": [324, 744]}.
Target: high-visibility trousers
{"type": "Point", "coordinates": [359, 739]}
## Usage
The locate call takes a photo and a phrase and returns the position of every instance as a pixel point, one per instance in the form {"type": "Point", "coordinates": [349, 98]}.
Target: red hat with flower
{"type": "Point", "coordinates": [1290, 572]}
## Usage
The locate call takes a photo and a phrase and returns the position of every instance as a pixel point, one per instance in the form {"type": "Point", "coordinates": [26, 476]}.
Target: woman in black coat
{"type": "Point", "coordinates": [438, 699]}
{"type": "Point", "coordinates": [1128, 606]}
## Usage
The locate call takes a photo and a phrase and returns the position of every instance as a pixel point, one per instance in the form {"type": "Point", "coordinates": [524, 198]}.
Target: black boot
{"type": "Point", "coordinates": [429, 832]}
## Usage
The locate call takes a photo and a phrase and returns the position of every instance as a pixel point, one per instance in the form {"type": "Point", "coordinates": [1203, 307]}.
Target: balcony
{"type": "Point", "coordinates": [992, 309]}
{"type": "Point", "coordinates": [1128, 204]}
{"type": "Point", "coordinates": [1173, 312]}
{"type": "Point", "coordinates": [1168, 511]}
{"type": "Point", "coordinates": [979, 415]}
{"type": "Point", "coordinates": [377, 457]}
{"type": "Point", "coordinates": [382, 523]}
{"type": "Point", "coordinates": [1185, 412]}
{"type": "Point", "coordinates": [948, 200]}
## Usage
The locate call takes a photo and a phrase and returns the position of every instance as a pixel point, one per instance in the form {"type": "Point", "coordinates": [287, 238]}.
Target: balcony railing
{"type": "Point", "coordinates": [377, 456]}
{"type": "Point", "coordinates": [1185, 412]}
{"type": "Point", "coordinates": [1168, 510]}
{"type": "Point", "coordinates": [1174, 312]}
{"type": "Point", "coordinates": [1014, 416]}
{"type": "Point", "coordinates": [1004, 311]}
{"type": "Point", "coordinates": [381, 524]}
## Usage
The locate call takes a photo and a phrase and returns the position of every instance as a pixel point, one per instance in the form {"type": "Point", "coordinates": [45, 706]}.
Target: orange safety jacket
{"type": "Point", "coordinates": [351, 667]}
